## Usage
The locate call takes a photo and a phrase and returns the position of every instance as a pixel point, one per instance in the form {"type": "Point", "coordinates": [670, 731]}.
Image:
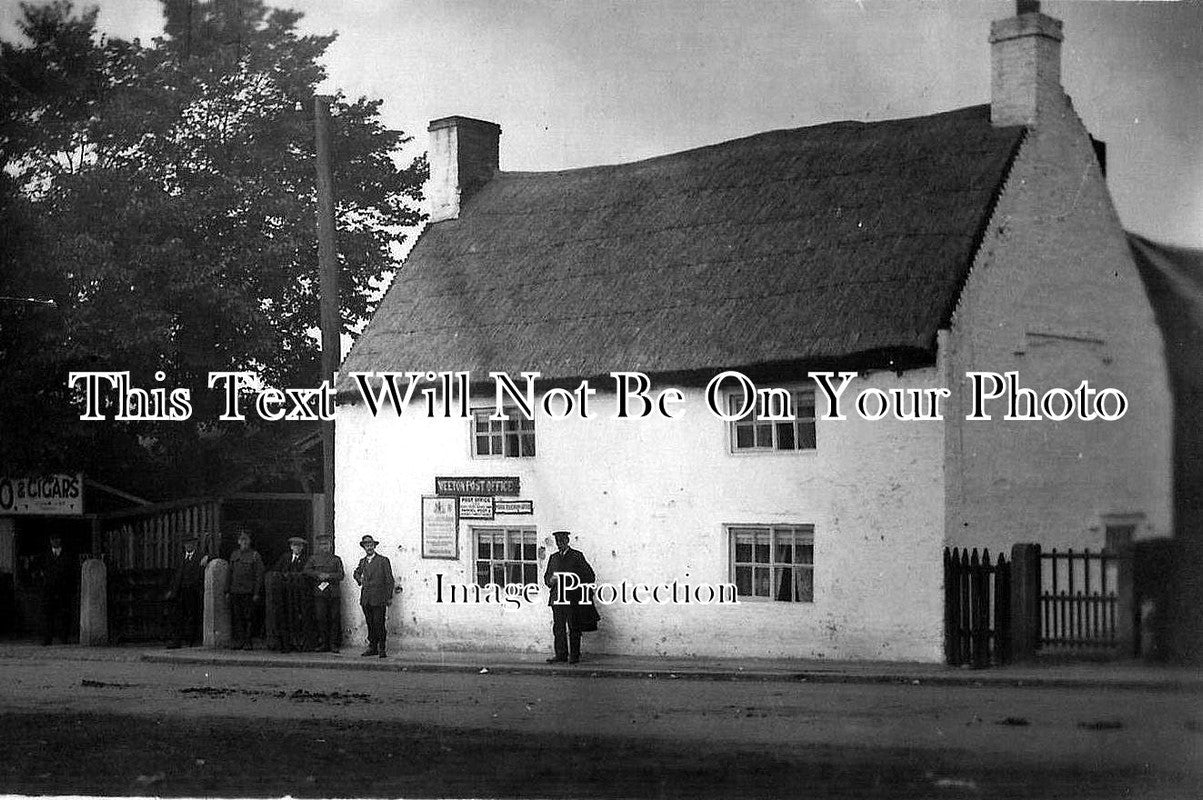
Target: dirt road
{"type": "Point", "coordinates": [126, 727]}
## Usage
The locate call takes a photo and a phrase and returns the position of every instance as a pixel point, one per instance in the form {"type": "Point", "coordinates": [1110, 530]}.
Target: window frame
{"type": "Point", "coordinates": [801, 535]}
{"type": "Point", "coordinates": [796, 425]}
{"type": "Point", "coordinates": [527, 537]}
{"type": "Point", "coordinates": [498, 431]}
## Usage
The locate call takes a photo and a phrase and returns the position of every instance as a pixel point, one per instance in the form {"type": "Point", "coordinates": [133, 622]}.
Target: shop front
{"type": "Point", "coordinates": [33, 509]}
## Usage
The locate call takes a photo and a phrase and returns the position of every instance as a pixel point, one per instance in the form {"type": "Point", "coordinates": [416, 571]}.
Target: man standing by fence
{"type": "Point", "coordinates": [244, 585]}
{"type": "Point", "coordinates": [290, 604]}
{"type": "Point", "coordinates": [325, 573]}
{"type": "Point", "coordinates": [187, 591]}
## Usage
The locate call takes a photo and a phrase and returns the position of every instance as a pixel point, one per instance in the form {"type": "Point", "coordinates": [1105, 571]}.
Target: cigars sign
{"type": "Point", "coordinates": [42, 494]}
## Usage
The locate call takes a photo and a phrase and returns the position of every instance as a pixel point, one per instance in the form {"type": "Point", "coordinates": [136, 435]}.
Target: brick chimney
{"type": "Point", "coordinates": [463, 158]}
{"type": "Point", "coordinates": [1025, 56]}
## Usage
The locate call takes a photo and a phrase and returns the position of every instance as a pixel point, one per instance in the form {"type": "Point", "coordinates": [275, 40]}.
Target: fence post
{"type": "Point", "coordinates": [979, 618]}
{"type": "Point", "coordinates": [93, 604]}
{"type": "Point", "coordinates": [217, 606]}
{"type": "Point", "coordinates": [1001, 622]}
{"type": "Point", "coordinates": [1125, 601]}
{"type": "Point", "coordinates": [1025, 601]}
{"type": "Point", "coordinates": [272, 600]}
{"type": "Point", "coordinates": [949, 620]}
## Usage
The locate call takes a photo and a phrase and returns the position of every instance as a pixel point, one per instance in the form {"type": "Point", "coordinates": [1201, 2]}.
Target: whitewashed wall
{"type": "Point", "coordinates": [648, 500]}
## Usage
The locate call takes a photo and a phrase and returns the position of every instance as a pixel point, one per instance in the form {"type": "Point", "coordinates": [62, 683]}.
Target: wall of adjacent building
{"type": "Point", "coordinates": [1055, 296]}
{"type": "Point", "coordinates": [647, 501]}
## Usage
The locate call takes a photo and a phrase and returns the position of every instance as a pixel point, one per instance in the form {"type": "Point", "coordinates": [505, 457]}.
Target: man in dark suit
{"type": "Point", "coordinates": [59, 575]}
{"type": "Point", "coordinates": [325, 573]}
{"type": "Point", "coordinates": [187, 590]}
{"type": "Point", "coordinates": [291, 601]}
{"type": "Point", "coordinates": [571, 616]}
{"type": "Point", "coordinates": [375, 577]}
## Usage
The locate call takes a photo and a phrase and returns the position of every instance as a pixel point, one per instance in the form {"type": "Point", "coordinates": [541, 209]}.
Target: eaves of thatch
{"type": "Point", "coordinates": [841, 243]}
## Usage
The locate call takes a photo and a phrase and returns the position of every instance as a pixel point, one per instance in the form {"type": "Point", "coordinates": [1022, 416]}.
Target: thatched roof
{"type": "Point", "coordinates": [788, 247]}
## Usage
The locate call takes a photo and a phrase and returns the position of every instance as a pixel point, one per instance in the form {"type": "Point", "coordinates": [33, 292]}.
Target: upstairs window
{"type": "Point", "coordinates": [512, 437]}
{"type": "Point", "coordinates": [774, 562]}
{"type": "Point", "coordinates": [749, 434]}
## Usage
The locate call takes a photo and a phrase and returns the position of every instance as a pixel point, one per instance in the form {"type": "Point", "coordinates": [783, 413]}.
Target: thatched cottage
{"type": "Point", "coordinates": [909, 251]}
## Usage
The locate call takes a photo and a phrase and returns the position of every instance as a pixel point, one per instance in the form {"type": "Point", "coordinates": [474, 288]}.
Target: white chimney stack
{"type": "Point", "coordinates": [463, 158]}
{"type": "Point", "coordinates": [1025, 55]}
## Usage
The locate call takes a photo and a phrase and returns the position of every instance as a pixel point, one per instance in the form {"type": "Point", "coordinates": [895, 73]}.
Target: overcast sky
{"type": "Point", "coordinates": [598, 81]}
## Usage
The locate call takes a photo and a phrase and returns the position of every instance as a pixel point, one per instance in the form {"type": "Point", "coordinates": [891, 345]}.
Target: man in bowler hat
{"type": "Point", "coordinates": [375, 578]}
{"type": "Point", "coordinates": [570, 617]}
{"type": "Point", "coordinates": [187, 590]}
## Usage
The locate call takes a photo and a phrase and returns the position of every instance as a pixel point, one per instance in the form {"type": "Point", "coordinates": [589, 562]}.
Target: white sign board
{"type": "Point", "coordinates": [42, 494]}
{"type": "Point", "coordinates": [514, 506]}
{"type": "Point", "coordinates": [476, 507]}
{"type": "Point", "coordinates": [440, 527]}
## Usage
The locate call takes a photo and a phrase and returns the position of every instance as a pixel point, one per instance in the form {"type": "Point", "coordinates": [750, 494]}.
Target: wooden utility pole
{"type": "Point", "coordinates": [328, 263]}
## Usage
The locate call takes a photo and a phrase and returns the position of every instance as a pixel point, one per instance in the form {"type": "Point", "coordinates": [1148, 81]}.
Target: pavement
{"type": "Point", "coordinates": [1044, 672]}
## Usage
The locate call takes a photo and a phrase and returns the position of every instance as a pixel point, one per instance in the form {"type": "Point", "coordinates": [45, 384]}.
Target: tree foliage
{"type": "Point", "coordinates": [164, 197]}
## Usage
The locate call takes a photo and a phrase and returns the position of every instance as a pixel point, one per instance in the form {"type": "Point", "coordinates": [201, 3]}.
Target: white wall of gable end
{"type": "Point", "coordinates": [1055, 296]}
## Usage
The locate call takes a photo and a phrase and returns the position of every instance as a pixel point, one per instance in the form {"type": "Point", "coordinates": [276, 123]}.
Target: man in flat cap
{"type": "Point", "coordinates": [187, 591]}
{"type": "Point", "coordinates": [290, 597]}
{"type": "Point", "coordinates": [325, 573]}
{"type": "Point", "coordinates": [244, 586]}
{"type": "Point", "coordinates": [573, 613]}
{"type": "Point", "coordinates": [375, 578]}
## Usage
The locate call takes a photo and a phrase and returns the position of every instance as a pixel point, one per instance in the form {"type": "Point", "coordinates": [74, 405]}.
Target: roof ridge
{"type": "Point", "coordinates": [519, 174]}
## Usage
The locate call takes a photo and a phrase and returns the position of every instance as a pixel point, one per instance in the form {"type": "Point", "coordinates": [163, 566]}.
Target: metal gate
{"type": "Point", "coordinates": [977, 608]}
{"type": "Point", "coordinates": [1080, 606]}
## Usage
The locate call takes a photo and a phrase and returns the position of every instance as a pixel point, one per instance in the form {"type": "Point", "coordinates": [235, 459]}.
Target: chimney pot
{"type": "Point", "coordinates": [463, 158]}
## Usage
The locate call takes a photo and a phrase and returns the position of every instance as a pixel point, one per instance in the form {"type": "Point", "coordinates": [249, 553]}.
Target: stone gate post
{"type": "Point", "coordinates": [217, 605]}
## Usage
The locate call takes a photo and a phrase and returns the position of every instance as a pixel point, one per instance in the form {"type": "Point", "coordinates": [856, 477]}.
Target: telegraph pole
{"type": "Point", "coordinates": [328, 264]}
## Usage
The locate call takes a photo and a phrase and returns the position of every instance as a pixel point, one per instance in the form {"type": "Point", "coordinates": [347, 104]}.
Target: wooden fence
{"type": "Point", "coordinates": [141, 548]}
{"type": "Point", "coordinates": [977, 608]}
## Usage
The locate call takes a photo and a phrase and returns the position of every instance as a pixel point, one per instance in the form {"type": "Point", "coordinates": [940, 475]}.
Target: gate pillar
{"type": "Point", "coordinates": [93, 604]}
{"type": "Point", "coordinates": [217, 605]}
{"type": "Point", "coordinates": [1025, 601]}
{"type": "Point", "coordinates": [1125, 601]}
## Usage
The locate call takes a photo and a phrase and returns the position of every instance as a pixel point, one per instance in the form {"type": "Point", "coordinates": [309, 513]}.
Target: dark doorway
{"type": "Point", "coordinates": [31, 543]}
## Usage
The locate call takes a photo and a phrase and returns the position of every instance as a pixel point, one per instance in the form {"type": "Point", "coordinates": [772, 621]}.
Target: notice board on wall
{"type": "Point", "coordinates": [440, 527]}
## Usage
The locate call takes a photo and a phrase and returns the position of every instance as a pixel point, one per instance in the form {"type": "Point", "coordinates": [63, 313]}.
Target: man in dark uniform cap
{"type": "Point", "coordinates": [572, 616]}
{"type": "Point", "coordinates": [187, 589]}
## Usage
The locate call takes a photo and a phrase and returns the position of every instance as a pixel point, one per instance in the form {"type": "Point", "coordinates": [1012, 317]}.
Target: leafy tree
{"type": "Point", "coordinates": [166, 199]}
